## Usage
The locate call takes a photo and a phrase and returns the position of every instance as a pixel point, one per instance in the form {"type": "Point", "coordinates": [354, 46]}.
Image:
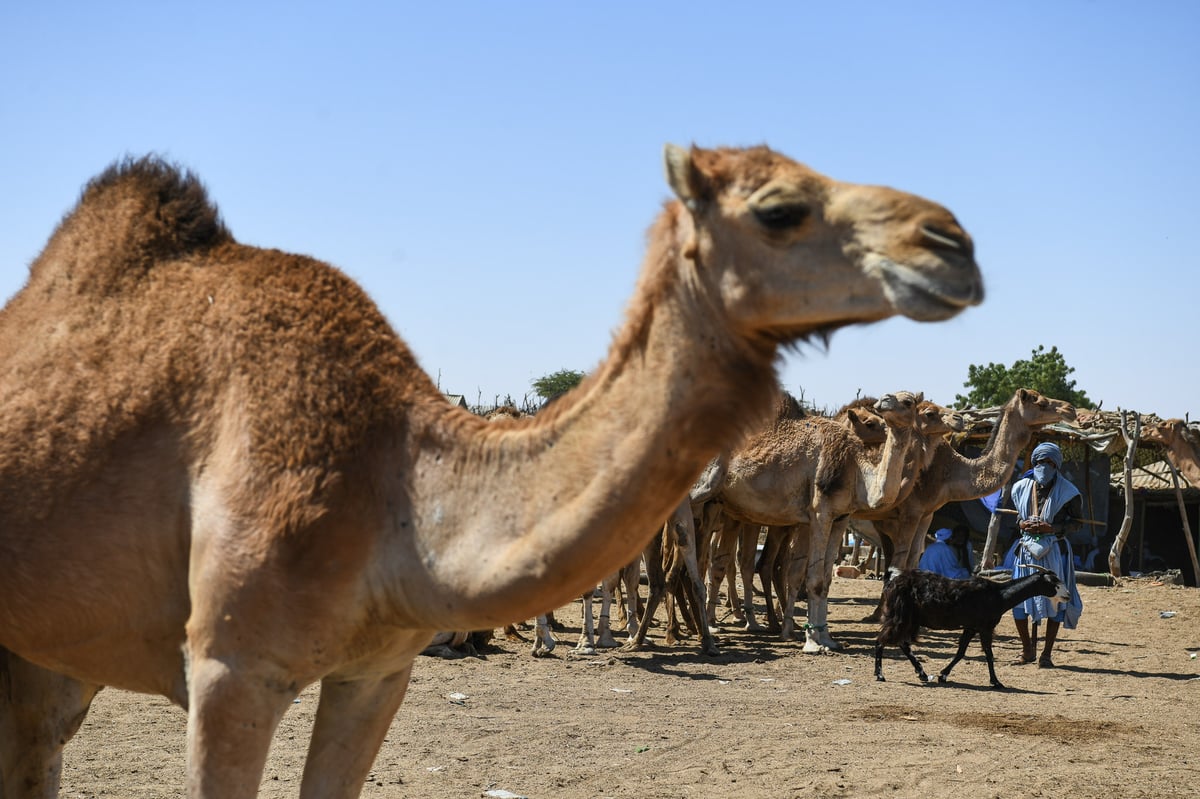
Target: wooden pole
{"type": "Point", "coordinates": [1114, 554]}
{"type": "Point", "coordinates": [987, 560]}
{"type": "Point", "coordinates": [1187, 528]}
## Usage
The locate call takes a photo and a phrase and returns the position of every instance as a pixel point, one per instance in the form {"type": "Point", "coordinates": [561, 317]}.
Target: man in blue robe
{"type": "Point", "coordinates": [1049, 508]}
{"type": "Point", "coordinates": [949, 554]}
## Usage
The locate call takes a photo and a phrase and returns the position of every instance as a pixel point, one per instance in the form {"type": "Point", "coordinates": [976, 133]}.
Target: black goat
{"type": "Point", "coordinates": [914, 599]}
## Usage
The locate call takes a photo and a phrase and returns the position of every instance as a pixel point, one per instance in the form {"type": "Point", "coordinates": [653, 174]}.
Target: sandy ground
{"type": "Point", "coordinates": [1119, 717]}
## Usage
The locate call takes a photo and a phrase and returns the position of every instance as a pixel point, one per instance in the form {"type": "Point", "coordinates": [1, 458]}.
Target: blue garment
{"type": "Point", "coordinates": [1062, 492]}
{"type": "Point", "coordinates": [1049, 450]}
{"type": "Point", "coordinates": [1045, 551]}
{"type": "Point", "coordinates": [942, 558]}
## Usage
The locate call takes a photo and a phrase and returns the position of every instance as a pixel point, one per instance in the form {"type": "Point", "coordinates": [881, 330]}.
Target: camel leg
{"type": "Point", "coordinates": [717, 568]}
{"type": "Point", "coordinates": [832, 547]}
{"type": "Point", "coordinates": [816, 582]}
{"type": "Point", "coordinates": [543, 638]}
{"type": "Point", "coordinates": [631, 576]}
{"type": "Point", "coordinates": [353, 717]}
{"type": "Point", "coordinates": [604, 636]}
{"type": "Point", "coordinates": [770, 572]}
{"type": "Point", "coordinates": [39, 712]}
{"type": "Point", "coordinates": [888, 545]}
{"type": "Point", "coordinates": [692, 579]}
{"type": "Point", "coordinates": [587, 640]}
{"type": "Point", "coordinates": [797, 565]}
{"type": "Point", "coordinates": [656, 587]}
{"type": "Point", "coordinates": [235, 705]}
{"type": "Point", "coordinates": [747, 543]}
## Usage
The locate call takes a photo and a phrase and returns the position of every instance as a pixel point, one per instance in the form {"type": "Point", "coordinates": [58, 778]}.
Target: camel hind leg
{"type": "Point", "coordinates": [39, 712]}
{"type": "Point", "coordinates": [747, 549]}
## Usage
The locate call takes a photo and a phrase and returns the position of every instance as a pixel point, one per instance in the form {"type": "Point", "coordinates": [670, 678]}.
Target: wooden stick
{"type": "Point", "coordinates": [1131, 441]}
{"type": "Point", "coordinates": [1081, 521]}
{"type": "Point", "coordinates": [1187, 528]}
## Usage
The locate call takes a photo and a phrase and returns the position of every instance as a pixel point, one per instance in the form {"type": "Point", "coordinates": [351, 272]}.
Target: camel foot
{"type": "Point", "coordinates": [585, 649]}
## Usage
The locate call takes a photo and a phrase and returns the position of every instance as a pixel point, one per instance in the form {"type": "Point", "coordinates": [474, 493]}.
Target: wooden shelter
{"type": "Point", "coordinates": [1157, 519]}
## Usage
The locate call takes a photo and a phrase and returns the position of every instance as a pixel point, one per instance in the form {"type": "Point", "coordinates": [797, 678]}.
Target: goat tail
{"type": "Point", "coordinates": [898, 622]}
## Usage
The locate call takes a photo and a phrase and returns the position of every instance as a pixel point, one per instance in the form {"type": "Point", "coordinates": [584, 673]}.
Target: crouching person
{"type": "Point", "coordinates": [950, 553]}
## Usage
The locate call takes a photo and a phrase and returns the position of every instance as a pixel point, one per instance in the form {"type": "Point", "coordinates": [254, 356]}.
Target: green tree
{"type": "Point", "coordinates": [1046, 372]}
{"type": "Point", "coordinates": [557, 383]}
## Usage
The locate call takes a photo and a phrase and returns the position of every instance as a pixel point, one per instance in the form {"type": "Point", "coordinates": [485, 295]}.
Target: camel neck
{"type": "Point", "coordinates": [580, 488]}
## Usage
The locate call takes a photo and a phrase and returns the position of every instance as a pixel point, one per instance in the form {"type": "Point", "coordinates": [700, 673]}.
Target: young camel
{"type": "Point", "coordinates": [223, 476]}
{"type": "Point", "coordinates": [812, 472]}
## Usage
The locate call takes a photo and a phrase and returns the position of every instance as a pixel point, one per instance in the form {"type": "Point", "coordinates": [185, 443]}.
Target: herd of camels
{"type": "Point", "coordinates": [224, 477]}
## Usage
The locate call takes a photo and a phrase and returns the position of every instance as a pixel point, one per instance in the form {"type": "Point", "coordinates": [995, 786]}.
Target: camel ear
{"type": "Point", "coordinates": [684, 178]}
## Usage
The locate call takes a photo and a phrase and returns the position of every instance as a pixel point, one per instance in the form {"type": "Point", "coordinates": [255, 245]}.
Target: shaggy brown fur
{"type": "Point", "coordinates": [223, 476]}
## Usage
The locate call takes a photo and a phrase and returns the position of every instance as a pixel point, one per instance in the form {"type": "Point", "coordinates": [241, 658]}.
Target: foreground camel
{"type": "Point", "coordinates": [224, 477]}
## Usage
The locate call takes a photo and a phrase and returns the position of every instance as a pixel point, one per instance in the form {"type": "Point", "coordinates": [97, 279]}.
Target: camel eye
{"type": "Point", "coordinates": [781, 216]}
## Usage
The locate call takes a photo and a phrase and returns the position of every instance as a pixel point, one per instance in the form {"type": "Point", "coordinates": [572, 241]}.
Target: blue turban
{"type": "Point", "coordinates": [1048, 450]}
{"type": "Point", "coordinates": [942, 534]}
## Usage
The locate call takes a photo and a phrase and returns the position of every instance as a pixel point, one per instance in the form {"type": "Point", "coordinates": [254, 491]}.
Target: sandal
{"type": "Point", "coordinates": [1023, 660]}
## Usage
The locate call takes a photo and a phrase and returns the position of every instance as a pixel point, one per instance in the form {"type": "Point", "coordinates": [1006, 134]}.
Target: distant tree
{"type": "Point", "coordinates": [557, 383]}
{"type": "Point", "coordinates": [1045, 372]}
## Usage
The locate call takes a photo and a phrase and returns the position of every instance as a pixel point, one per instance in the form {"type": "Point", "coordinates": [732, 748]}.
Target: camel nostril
{"type": "Point", "coordinates": [939, 237]}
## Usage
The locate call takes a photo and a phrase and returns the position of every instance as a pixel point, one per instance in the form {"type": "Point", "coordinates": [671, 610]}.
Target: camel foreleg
{"type": "Point", "coordinates": [39, 712]}
{"type": "Point", "coordinates": [353, 717]}
{"type": "Point", "coordinates": [587, 637]}
{"type": "Point", "coordinates": [543, 638]}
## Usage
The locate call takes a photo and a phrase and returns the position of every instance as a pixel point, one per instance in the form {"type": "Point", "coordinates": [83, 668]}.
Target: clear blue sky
{"type": "Point", "coordinates": [488, 170]}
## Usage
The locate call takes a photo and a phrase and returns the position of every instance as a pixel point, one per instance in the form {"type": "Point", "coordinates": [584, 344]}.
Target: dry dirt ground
{"type": "Point", "coordinates": [1119, 717]}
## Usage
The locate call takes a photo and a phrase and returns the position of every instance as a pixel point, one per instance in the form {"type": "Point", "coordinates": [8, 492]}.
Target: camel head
{"type": "Point", "coordinates": [864, 422]}
{"type": "Point", "coordinates": [1038, 410]}
{"type": "Point", "coordinates": [933, 419]}
{"type": "Point", "coordinates": [790, 252]}
{"type": "Point", "coordinates": [900, 409]}
{"type": "Point", "coordinates": [1165, 432]}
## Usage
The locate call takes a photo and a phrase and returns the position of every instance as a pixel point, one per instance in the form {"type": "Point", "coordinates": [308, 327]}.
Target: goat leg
{"type": "Point", "coordinates": [879, 661]}
{"type": "Point", "coordinates": [963, 640]}
{"type": "Point", "coordinates": [907, 650]}
{"type": "Point", "coordinates": [985, 641]}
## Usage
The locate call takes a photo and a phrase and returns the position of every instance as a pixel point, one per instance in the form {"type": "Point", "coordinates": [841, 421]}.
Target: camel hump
{"type": "Point", "coordinates": [136, 213]}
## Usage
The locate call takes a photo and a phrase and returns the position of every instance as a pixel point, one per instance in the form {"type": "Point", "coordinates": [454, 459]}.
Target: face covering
{"type": "Point", "coordinates": [1043, 473]}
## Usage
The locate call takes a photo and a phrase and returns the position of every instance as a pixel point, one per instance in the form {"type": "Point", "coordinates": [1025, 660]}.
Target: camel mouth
{"type": "Point", "coordinates": [923, 297]}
